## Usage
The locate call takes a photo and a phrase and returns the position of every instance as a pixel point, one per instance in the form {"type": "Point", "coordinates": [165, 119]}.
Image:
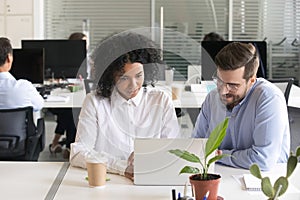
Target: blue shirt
{"type": "Point", "coordinates": [18, 93]}
{"type": "Point", "coordinates": [258, 129]}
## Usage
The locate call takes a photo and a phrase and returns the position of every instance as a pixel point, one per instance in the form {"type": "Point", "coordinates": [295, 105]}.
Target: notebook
{"type": "Point", "coordinates": [251, 183]}
{"type": "Point", "coordinates": [154, 165]}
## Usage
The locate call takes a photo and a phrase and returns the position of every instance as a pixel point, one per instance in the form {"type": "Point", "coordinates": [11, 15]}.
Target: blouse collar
{"type": "Point", "coordinates": [117, 99]}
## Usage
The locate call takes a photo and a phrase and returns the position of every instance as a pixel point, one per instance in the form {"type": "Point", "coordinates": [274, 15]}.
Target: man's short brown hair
{"type": "Point", "coordinates": [236, 55]}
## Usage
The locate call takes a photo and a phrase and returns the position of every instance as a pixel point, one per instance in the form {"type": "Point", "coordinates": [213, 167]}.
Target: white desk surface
{"type": "Point", "coordinates": [75, 99]}
{"type": "Point", "coordinates": [74, 186]}
{"type": "Point", "coordinates": [231, 189]}
{"type": "Point", "coordinates": [33, 180]}
{"type": "Point", "coordinates": [27, 180]}
{"type": "Point", "coordinates": [188, 99]}
{"type": "Point", "coordinates": [294, 99]}
{"type": "Point", "coordinates": [195, 99]}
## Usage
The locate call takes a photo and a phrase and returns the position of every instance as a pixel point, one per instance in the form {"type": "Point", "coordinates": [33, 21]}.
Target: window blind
{"type": "Point", "coordinates": [62, 17]}
{"type": "Point", "coordinates": [275, 21]}
{"type": "Point", "coordinates": [283, 35]}
{"type": "Point", "coordinates": [185, 24]}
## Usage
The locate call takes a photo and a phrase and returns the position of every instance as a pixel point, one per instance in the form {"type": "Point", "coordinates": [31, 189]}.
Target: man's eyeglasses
{"type": "Point", "coordinates": [229, 86]}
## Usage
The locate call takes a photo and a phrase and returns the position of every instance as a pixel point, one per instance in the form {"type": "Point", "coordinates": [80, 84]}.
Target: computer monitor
{"type": "Point", "coordinates": [63, 58]}
{"type": "Point", "coordinates": [211, 48]}
{"type": "Point", "coordinates": [28, 64]}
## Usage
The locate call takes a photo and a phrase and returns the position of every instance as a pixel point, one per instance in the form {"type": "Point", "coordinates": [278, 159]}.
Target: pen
{"type": "Point", "coordinates": [192, 190]}
{"type": "Point", "coordinates": [277, 193]}
{"type": "Point", "coordinates": [185, 189]}
{"type": "Point", "coordinates": [206, 195]}
{"type": "Point", "coordinates": [173, 194]}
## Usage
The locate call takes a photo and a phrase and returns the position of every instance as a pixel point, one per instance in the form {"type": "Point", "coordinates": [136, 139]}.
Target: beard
{"type": "Point", "coordinates": [231, 100]}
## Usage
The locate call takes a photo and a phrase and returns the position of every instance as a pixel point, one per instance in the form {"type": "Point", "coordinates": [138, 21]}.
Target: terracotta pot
{"type": "Point", "coordinates": [200, 187]}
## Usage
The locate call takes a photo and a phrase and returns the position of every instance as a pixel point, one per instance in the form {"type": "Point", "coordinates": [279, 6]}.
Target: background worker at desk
{"type": "Point", "coordinates": [258, 130]}
{"type": "Point", "coordinates": [65, 120]}
{"type": "Point", "coordinates": [15, 93]}
{"type": "Point", "coordinates": [122, 108]}
{"type": "Point", "coordinates": [213, 36]}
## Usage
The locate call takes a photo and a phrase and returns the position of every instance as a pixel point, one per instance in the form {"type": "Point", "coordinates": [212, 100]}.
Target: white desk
{"type": "Point", "coordinates": [188, 99]}
{"type": "Point", "coordinates": [195, 100]}
{"type": "Point", "coordinates": [74, 186]}
{"type": "Point", "coordinates": [34, 180]}
{"type": "Point", "coordinates": [294, 99]}
{"type": "Point", "coordinates": [230, 189]}
{"type": "Point", "coordinates": [27, 180]}
{"type": "Point", "coordinates": [75, 99]}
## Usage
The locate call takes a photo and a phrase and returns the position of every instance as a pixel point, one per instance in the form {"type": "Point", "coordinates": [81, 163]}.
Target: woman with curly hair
{"type": "Point", "coordinates": [123, 107]}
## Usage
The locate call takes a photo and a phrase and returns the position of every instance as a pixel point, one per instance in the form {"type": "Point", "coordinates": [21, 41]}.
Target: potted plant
{"type": "Point", "coordinates": [201, 180]}
{"type": "Point", "coordinates": [281, 184]}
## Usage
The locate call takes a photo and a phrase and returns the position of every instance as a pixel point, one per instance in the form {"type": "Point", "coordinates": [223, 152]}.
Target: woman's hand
{"type": "Point", "coordinates": [130, 159]}
{"type": "Point", "coordinates": [129, 172]}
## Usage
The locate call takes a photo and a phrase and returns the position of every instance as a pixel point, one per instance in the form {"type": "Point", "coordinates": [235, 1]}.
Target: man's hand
{"type": "Point", "coordinates": [219, 152]}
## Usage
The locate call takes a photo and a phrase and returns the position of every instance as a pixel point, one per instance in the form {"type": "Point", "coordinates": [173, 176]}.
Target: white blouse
{"type": "Point", "coordinates": [109, 127]}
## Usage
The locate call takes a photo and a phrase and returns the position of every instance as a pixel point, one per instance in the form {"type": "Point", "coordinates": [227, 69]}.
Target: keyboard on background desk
{"type": "Point", "coordinates": [45, 90]}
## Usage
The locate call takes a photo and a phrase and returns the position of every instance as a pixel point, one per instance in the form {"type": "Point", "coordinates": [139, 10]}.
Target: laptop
{"type": "Point", "coordinates": [154, 165]}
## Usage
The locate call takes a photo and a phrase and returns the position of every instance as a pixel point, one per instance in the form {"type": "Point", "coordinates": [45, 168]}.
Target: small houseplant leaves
{"type": "Point", "coordinates": [213, 142]}
{"type": "Point", "coordinates": [281, 184]}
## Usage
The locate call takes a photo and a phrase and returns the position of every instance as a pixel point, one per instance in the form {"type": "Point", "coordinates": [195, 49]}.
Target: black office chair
{"type": "Point", "coordinates": [285, 85]}
{"type": "Point", "coordinates": [20, 138]}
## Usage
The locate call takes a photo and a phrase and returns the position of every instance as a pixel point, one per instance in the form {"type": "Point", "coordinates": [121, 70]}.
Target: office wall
{"type": "Point", "coordinates": [38, 19]}
{"type": "Point", "coordinates": [269, 20]}
{"type": "Point", "coordinates": [272, 20]}
{"type": "Point", "coordinates": [21, 20]}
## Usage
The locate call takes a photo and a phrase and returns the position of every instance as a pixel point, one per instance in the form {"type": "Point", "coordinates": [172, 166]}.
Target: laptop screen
{"type": "Point", "coordinates": [154, 165]}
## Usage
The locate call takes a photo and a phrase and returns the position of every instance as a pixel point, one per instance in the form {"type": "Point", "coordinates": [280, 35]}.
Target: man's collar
{"type": "Point", "coordinates": [6, 75]}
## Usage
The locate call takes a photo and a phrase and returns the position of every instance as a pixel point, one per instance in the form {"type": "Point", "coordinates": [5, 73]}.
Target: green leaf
{"type": "Point", "coordinates": [266, 187]}
{"type": "Point", "coordinates": [216, 137]}
{"type": "Point", "coordinates": [189, 170]}
{"type": "Point", "coordinates": [216, 158]}
{"type": "Point", "coordinates": [298, 151]}
{"type": "Point", "coordinates": [185, 155]}
{"type": "Point", "coordinates": [281, 181]}
{"type": "Point", "coordinates": [291, 165]}
{"type": "Point", "coordinates": [255, 171]}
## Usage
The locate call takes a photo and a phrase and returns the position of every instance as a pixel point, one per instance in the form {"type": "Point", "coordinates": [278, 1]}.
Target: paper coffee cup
{"type": "Point", "coordinates": [176, 92]}
{"type": "Point", "coordinates": [96, 174]}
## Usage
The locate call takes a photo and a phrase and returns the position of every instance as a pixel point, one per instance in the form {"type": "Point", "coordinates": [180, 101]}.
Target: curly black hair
{"type": "Point", "coordinates": [114, 52]}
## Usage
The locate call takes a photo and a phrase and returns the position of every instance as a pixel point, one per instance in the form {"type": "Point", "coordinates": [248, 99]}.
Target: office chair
{"type": "Point", "coordinates": [20, 138]}
{"type": "Point", "coordinates": [285, 85]}
{"type": "Point", "coordinates": [89, 85]}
